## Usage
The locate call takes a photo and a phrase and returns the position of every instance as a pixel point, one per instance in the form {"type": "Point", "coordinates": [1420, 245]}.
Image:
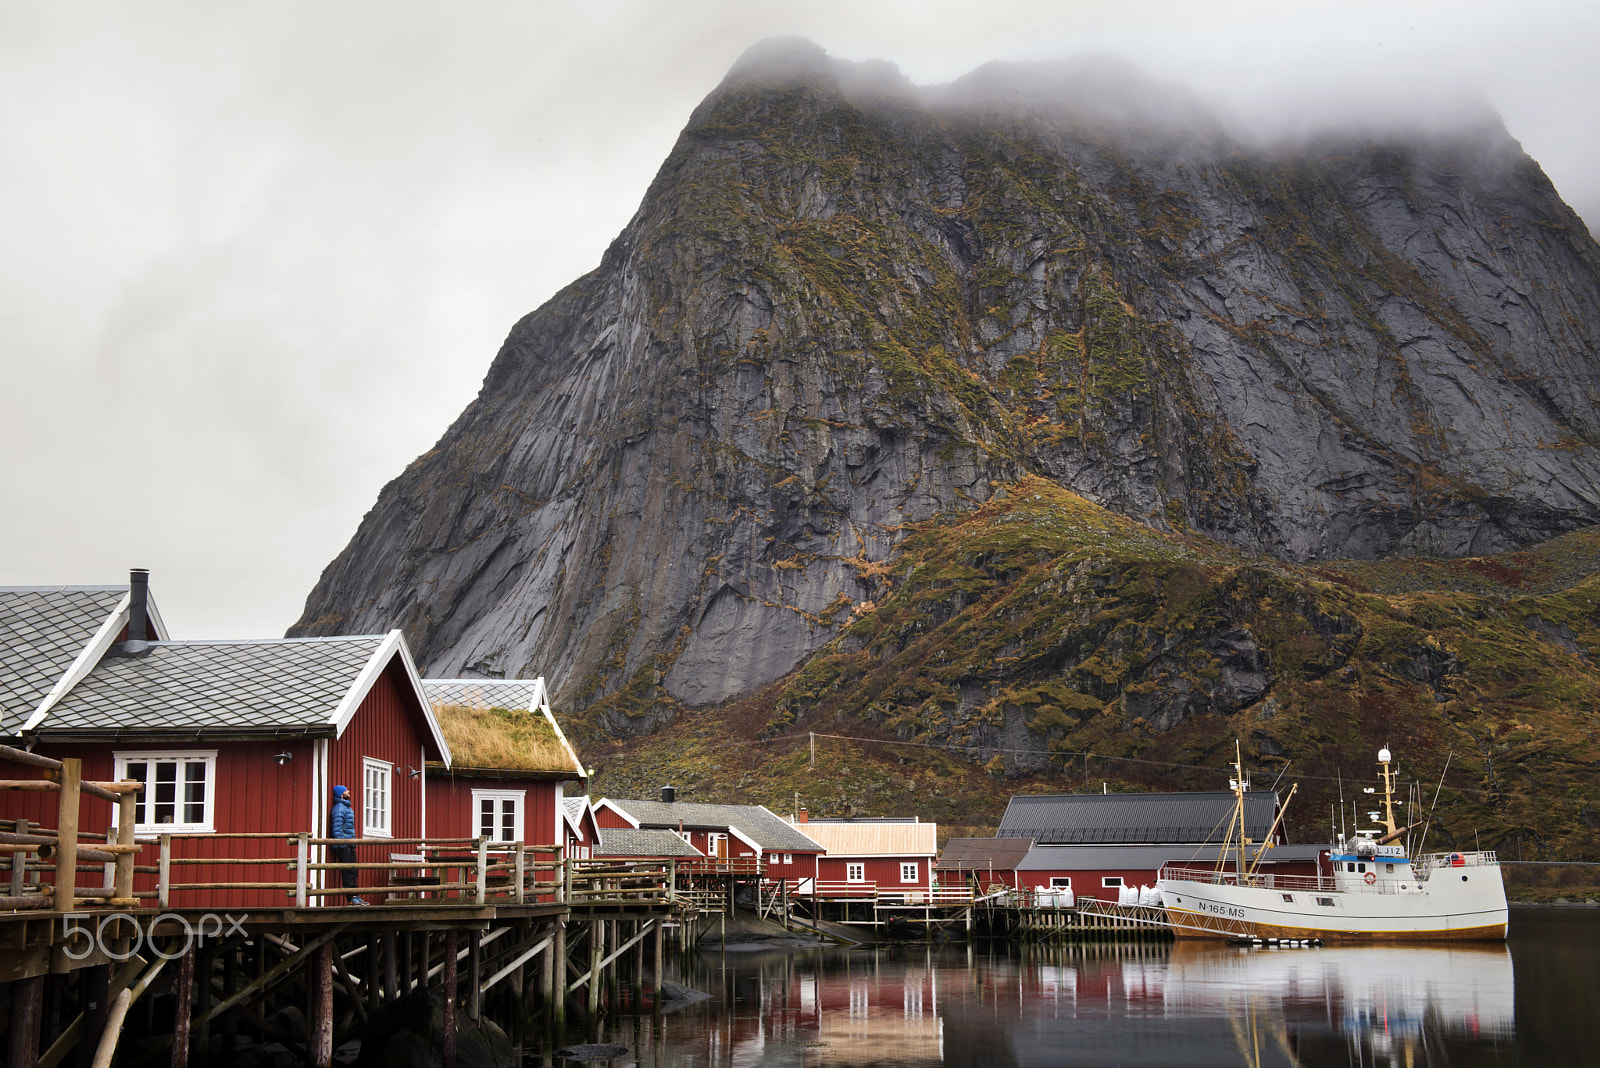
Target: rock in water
{"type": "Point", "coordinates": [591, 1051]}
{"type": "Point", "coordinates": [847, 304]}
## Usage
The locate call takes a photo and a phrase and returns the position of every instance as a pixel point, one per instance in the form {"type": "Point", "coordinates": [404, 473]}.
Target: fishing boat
{"type": "Point", "coordinates": [1375, 893]}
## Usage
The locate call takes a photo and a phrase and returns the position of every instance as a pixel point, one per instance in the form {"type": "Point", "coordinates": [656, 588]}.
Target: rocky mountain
{"type": "Point", "coordinates": [852, 313]}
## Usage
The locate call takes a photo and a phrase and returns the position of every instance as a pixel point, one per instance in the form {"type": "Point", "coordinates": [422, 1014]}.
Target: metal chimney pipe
{"type": "Point", "coordinates": [139, 604]}
{"type": "Point", "coordinates": [668, 794]}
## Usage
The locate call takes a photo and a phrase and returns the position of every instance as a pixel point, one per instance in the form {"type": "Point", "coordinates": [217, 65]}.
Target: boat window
{"type": "Point", "coordinates": [1325, 901]}
{"type": "Point", "coordinates": [1362, 866]}
{"type": "Point", "coordinates": [1389, 868]}
{"type": "Point", "coordinates": [1351, 866]}
{"type": "Point", "coordinates": [1289, 898]}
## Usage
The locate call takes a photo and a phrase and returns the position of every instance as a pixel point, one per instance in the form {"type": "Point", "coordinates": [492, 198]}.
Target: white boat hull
{"type": "Point", "coordinates": [1454, 904]}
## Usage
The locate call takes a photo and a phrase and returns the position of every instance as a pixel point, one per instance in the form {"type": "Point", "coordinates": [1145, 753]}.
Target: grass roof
{"type": "Point", "coordinates": [511, 738]}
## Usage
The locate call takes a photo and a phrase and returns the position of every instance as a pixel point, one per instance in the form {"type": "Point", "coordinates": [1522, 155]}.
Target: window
{"type": "Point", "coordinates": [855, 872]}
{"type": "Point", "coordinates": [1111, 881]}
{"type": "Point", "coordinates": [499, 814]}
{"type": "Point", "coordinates": [1328, 901]}
{"type": "Point", "coordinates": [774, 859]}
{"type": "Point", "coordinates": [1289, 898]}
{"type": "Point", "coordinates": [375, 776]}
{"type": "Point", "coordinates": [788, 858]}
{"type": "Point", "coordinates": [1061, 882]}
{"type": "Point", "coordinates": [179, 790]}
{"type": "Point", "coordinates": [1389, 868]}
{"type": "Point", "coordinates": [908, 872]}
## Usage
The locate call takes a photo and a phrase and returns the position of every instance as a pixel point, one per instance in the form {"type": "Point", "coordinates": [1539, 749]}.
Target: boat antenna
{"type": "Point", "coordinates": [1340, 773]}
{"type": "Point", "coordinates": [1281, 773]}
{"type": "Point", "coordinates": [1426, 826]}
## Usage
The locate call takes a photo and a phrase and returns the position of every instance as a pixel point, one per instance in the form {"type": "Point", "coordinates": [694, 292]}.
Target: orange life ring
{"type": "Point", "coordinates": [1370, 877]}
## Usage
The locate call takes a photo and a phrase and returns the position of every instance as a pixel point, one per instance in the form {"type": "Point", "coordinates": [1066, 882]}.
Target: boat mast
{"type": "Point", "coordinates": [1390, 832]}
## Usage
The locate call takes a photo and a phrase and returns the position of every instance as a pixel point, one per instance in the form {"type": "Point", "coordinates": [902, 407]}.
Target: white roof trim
{"type": "Point", "coordinates": [393, 642]}
{"type": "Point", "coordinates": [606, 802]}
{"type": "Point", "coordinates": [543, 704]}
{"type": "Point", "coordinates": [88, 657]}
{"type": "Point", "coordinates": [576, 824]}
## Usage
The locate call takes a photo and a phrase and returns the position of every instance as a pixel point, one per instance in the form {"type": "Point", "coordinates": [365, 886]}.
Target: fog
{"type": "Point", "coordinates": [257, 257]}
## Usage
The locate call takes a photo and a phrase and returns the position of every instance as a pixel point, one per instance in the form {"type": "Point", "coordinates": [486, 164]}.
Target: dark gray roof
{"type": "Point", "coordinates": [643, 842]}
{"type": "Point", "coordinates": [273, 684]}
{"type": "Point", "coordinates": [1199, 816]}
{"type": "Point", "coordinates": [757, 824]}
{"type": "Point", "coordinates": [1103, 857]}
{"type": "Point", "coordinates": [997, 853]}
{"type": "Point", "coordinates": [42, 631]}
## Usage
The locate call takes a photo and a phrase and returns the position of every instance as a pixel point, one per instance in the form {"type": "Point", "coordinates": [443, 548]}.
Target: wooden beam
{"type": "Point", "coordinates": [619, 951]}
{"type": "Point", "coordinates": [522, 958]}
{"type": "Point", "coordinates": [181, 1009]}
{"type": "Point", "coordinates": [451, 937]}
{"type": "Point", "coordinates": [319, 1029]}
{"type": "Point", "coordinates": [107, 1049]}
{"type": "Point", "coordinates": [67, 832]}
{"type": "Point", "coordinates": [27, 1010]}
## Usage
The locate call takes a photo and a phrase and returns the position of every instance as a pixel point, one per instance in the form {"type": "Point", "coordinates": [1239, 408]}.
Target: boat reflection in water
{"type": "Point", "coordinates": [1152, 1005]}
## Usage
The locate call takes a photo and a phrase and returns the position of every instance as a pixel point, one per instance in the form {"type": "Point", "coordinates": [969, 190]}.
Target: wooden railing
{"type": "Point", "coordinates": [889, 893]}
{"type": "Point", "coordinates": [59, 851]}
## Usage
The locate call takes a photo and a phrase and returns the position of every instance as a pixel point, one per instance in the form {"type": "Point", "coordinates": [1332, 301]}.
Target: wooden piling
{"type": "Point", "coordinates": [450, 949]}
{"type": "Point", "coordinates": [181, 989]}
{"type": "Point", "coordinates": [474, 976]}
{"type": "Point", "coordinates": [27, 1012]}
{"type": "Point", "coordinates": [319, 1029]}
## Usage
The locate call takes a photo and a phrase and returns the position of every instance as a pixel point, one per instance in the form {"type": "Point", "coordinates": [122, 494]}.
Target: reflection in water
{"type": "Point", "coordinates": [994, 1004]}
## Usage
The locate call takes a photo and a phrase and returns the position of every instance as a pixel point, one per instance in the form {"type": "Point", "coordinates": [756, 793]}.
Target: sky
{"type": "Point", "coordinates": [255, 257]}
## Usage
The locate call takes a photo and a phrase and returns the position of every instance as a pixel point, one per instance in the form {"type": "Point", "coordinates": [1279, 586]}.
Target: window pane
{"type": "Point", "coordinates": [194, 794]}
{"type": "Point", "coordinates": [508, 821]}
{"type": "Point", "coordinates": [166, 793]}
{"type": "Point", "coordinates": [139, 771]}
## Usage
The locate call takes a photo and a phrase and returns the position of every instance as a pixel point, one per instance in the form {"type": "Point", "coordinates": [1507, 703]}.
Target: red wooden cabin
{"type": "Point", "coordinates": [743, 839]}
{"type": "Point", "coordinates": [870, 857]}
{"type": "Point", "coordinates": [511, 764]}
{"type": "Point", "coordinates": [228, 737]}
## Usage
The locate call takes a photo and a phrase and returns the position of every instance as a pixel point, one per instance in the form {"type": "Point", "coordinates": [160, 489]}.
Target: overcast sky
{"type": "Point", "coordinates": [254, 257]}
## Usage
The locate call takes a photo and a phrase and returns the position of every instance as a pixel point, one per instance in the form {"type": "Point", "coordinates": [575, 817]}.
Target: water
{"type": "Point", "coordinates": [1532, 1001]}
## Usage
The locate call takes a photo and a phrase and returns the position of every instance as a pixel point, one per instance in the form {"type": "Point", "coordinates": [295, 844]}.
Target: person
{"type": "Point", "coordinates": [343, 818]}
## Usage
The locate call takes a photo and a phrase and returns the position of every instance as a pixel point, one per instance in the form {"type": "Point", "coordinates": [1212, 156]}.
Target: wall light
{"type": "Point", "coordinates": [283, 758]}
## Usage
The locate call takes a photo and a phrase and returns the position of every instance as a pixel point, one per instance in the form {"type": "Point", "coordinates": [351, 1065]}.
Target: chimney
{"type": "Point", "coordinates": [803, 817]}
{"type": "Point", "coordinates": [139, 604]}
{"type": "Point", "coordinates": [668, 795]}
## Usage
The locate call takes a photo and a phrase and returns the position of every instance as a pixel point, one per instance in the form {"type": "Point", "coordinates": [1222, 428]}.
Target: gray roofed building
{"type": "Point", "coordinates": [754, 823]}
{"type": "Point", "coordinates": [1112, 819]}
{"type": "Point", "coordinates": [1152, 857]}
{"type": "Point", "coordinates": [44, 630]}
{"type": "Point", "coordinates": [642, 842]}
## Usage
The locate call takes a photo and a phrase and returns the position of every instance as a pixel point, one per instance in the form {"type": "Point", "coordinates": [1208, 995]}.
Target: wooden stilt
{"type": "Point", "coordinates": [181, 989]}
{"type": "Point", "coordinates": [319, 1028]}
{"type": "Point", "coordinates": [27, 1011]}
{"type": "Point", "coordinates": [391, 967]}
{"type": "Point", "coordinates": [597, 939]}
{"type": "Point", "coordinates": [204, 963]}
{"type": "Point", "coordinates": [547, 970]}
{"type": "Point", "coordinates": [474, 976]}
{"type": "Point", "coordinates": [96, 1007]}
{"type": "Point", "coordinates": [407, 973]}
{"type": "Point", "coordinates": [450, 939]}
{"type": "Point", "coordinates": [558, 965]}
{"type": "Point", "coordinates": [656, 975]}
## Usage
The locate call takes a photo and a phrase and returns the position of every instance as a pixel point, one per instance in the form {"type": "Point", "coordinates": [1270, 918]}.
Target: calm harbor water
{"type": "Point", "coordinates": [1533, 1001]}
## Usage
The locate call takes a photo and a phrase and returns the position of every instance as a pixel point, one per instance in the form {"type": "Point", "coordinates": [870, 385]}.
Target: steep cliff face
{"type": "Point", "coordinates": [847, 305]}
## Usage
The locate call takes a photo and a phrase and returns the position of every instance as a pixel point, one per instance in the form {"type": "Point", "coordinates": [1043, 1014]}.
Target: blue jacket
{"type": "Point", "coordinates": [343, 818]}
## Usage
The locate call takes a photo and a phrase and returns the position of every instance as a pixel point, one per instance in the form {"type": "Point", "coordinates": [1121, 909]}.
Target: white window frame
{"type": "Point", "coordinates": [518, 800]}
{"type": "Point", "coordinates": [910, 871]}
{"type": "Point", "coordinates": [773, 859]}
{"type": "Point", "coordinates": [788, 858]}
{"type": "Point", "coordinates": [145, 800]}
{"type": "Point", "coordinates": [1110, 882]}
{"type": "Point", "coordinates": [1061, 882]}
{"type": "Point", "coordinates": [383, 825]}
{"type": "Point", "coordinates": [855, 871]}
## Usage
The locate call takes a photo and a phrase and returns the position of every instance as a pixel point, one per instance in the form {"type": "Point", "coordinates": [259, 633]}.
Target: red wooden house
{"type": "Point", "coordinates": [874, 857]}
{"type": "Point", "coordinates": [511, 764]}
{"type": "Point", "coordinates": [583, 833]}
{"type": "Point", "coordinates": [228, 737]}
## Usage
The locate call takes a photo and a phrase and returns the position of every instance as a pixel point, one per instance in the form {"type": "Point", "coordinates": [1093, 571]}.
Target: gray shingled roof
{"type": "Point", "coordinates": [1001, 854]}
{"type": "Point", "coordinates": [483, 693]}
{"type": "Point", "coordinates": [1082, 819]}
{"type": "Point", "coordinates": [643, 842]}
{"type": "Point", "coordinates": [754, 822]}
{"type": "Point", "coordinates": [42, 631]}
{"type": "Point", "coordinates": [274, 684]}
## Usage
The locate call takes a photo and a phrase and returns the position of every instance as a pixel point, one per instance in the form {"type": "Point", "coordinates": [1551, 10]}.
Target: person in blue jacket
{"type": "Point", "coordinates": [343, 819]}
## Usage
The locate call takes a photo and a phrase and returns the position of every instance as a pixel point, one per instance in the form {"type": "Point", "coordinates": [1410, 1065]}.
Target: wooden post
{"type": "Point", "coordinates": [638, 965]}
{"type": "Point", "coordinates": [27, 1010]}
{"type": "Point", "coordinates": [451, 937]}
{"type": "Point", "coordinates": [474, 976]}
{"type": "Point", "coordinates": [547, 973]}
{"type": "Point", "coordinates": [181, 989]}
{"type": "Point", "coordinates": [67, 833]}
{"type": "Point", "coordinates": [122, 882]}
{"type": "Point", "coordinates": [319, 1029]}
{"type": "Point", "coordinates": [96, 1009]}
{"type": "Point", "coordinates": [483, 872]}
{"type": "Point", "coordinates": [19, 863]}
{"type": "Point", "coordinates": [657, 973]}
{"type": "Point", "coordinates": [164, 879]}
{"type": "Point", "coordinates": [408, 975]}
{"type": "Point", "coordinates": [564, 891]}
{"type": "Point", "coordinates": [597, 937]}
{"type": "Point", "coordinates": [424, 959]}
{"type": "Point", "coordinates": [558, 960]}
{"type": "Point", "coordinates": [301, 859]}
{"type": "Point", "coordinates": [391, 969]}
{"type": "Point", "coordinates": [521, 871]}
{"type": "Point", "coordinates": [204, 967]}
